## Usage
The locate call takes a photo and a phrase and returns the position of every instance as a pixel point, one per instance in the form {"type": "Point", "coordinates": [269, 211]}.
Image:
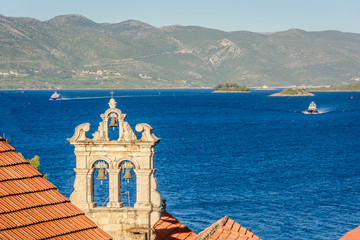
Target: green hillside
{"type": "Point", "coordinates": [74, 52]}
{"type": "Point", "coordinates": [345, 87]}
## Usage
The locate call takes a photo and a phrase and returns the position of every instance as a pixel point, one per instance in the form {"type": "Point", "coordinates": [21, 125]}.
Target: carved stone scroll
{"type": "Point", "coordinates": [80, 133]}
{"type": "Point", "coordinates": [147, 133]}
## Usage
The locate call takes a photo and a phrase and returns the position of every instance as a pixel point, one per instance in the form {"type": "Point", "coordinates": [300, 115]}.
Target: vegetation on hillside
{"type": "Point", "coordinates": [293, 92]}
{"type": "Point", "coordinates": [74, 52]}
{"type": "Point", "coordinates": [230, 87]}
{"type": "Point", "coordinates": [345, 87]}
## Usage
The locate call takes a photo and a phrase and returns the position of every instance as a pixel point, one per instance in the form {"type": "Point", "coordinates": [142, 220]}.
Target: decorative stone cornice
{"type": "Point", "coordinates": [126, 134]}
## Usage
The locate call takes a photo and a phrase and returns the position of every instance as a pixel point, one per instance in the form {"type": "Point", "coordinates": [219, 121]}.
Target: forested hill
{"type": "Point", "coordinates": [72, 51]}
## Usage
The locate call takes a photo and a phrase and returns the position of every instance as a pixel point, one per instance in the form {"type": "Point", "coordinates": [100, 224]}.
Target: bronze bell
{"type": "Point", "coordinates": [101, 175]}
{"type": "Point", "coordinates": [128, 174]}
{"type": "Point", "coordinates": [113, 123]}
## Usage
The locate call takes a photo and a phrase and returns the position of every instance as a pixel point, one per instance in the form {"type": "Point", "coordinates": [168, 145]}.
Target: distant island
{"type": "Point", "coordinates": [230, 87]}
{"type": "Point", "coordinates": [351, 87]}
{"type": "Point", "coordinates": [289, 92]}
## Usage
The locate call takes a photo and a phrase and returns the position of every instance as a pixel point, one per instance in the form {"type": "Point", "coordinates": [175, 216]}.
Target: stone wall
{"type": "Point", "coordinates": [124, 223]}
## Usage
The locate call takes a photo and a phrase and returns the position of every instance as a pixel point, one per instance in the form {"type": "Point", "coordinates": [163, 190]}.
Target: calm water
{"type": "Point", "coordinates": [257, 159]}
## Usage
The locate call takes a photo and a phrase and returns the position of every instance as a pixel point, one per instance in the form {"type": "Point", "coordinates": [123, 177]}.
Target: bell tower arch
{"type": "Point", "coordinates": [111, 157]}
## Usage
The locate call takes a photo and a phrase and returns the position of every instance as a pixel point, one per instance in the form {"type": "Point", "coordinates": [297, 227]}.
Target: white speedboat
{"type": "Point", "coordinates": [312, 108]}
{"type": "Point", "coordinates": [55, 96]}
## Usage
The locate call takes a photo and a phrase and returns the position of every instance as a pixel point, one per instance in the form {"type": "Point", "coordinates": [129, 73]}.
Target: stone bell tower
{"type": "Point", "coordinates": [119, 221]}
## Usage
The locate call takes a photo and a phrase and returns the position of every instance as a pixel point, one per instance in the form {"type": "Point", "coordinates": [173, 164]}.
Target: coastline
{"type": "Point", "coordinates": [231, 91]}
{"type": "Point", "coordinates": [264, 89]}
{"type": "Point", "coordinates": [252, 89]}
{"type": "Point", "coordinates": [73, 89]}
{"type": "Point", "coordinates": [289, 95]}
{"type": "Point", "coordinates": [335, 90]}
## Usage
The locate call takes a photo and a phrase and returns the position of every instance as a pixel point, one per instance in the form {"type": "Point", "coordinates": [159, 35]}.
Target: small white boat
{"type": "Point", "coordinates": [55, 96]}
{"type": "Point", "coordinates": [312, 108]}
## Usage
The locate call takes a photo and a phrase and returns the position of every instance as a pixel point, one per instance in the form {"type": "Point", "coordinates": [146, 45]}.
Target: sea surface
{"type": "Point", "coordinates": [257, 159]}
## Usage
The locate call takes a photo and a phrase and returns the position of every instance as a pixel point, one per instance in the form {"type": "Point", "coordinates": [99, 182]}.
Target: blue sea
{"type": "Point", "coordinates": [257, 159]}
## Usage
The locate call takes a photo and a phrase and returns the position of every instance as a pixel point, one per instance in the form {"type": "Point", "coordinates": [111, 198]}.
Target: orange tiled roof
{"type": "Point", "coordinates": [32, 208]}
{"type": "Point", "coordinates": [226, 229]}
{"type": "Point", "coordinates": [352, 235]}
{"type": "Point", "coordinates": [169, 228]}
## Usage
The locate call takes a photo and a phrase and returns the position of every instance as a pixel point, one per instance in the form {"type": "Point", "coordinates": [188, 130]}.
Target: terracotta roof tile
{"type": "Point", "coordinates": [5, 146]}
{"type": "Point", "coordinates": [32, 208]}
{"type": "Point", "coordinates": [37, 215]}
{"type": "Point", "coordinates": [54, 228]}
{"type": "Point", "coordinates": [169, 228]}
{"type": "Point", "coordinates": [19, 171]}
{"type": "Point", "coordinates": [11, 158]}
{"type": "Point", "coordinates": [89, 234]}
{"type": "Point", "coordinates": [24, 186]}
{"type": "Point", "coordinates": [225, 229]}
{"type": "Point", "coordinates": [352, 235]}
{"type": "Point", "coordinates": [30, 200]}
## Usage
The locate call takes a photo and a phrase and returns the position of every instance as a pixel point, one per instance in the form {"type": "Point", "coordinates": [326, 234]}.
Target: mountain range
{"type": "Point", "coordinates": [71, 51]}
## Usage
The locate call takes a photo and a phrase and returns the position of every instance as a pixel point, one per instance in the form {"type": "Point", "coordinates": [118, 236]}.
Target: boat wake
{"type": "Point", "coordinates": [320, 111]}
{"type": "Point", "coordinates": [81, 98]}
{"type": "Point", "coordinates": [86, 98]}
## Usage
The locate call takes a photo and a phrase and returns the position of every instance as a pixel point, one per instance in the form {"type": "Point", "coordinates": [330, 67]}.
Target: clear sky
{"type": "Point", "coordinates": [226, 15]}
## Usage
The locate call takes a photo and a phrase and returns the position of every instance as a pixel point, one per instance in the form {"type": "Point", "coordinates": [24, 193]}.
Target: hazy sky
{"type": "Point", "coordinates": [227, 15]}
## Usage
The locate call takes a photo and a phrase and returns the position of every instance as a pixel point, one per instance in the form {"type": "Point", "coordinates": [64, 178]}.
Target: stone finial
{"type": "Point", "coordinates": [112, 103]}
{"type": "Point", "coordinates": [163, 204]}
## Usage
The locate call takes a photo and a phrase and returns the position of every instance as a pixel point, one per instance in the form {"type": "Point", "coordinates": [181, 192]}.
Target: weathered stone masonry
{"type": "Point", "coordinates": [119, 221]}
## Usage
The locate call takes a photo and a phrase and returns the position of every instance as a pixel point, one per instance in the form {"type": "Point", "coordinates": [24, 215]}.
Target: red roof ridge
{"type": "Point", "coordinates": [169, 228]}
{"type": "Point", "coordinates": [221, 230]}
{"type": "Point", "coordinates": [224, 220]}
{"type": "Point", "coordinates": [6, 141]}
{"type": "Point", "coordinates": [207, 232]}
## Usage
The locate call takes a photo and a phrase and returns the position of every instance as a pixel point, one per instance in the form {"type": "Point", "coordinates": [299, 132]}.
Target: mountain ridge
{"type": "Point", "coordinates": [71, 51]}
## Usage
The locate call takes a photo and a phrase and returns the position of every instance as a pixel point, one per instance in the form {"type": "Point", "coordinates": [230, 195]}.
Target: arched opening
{"type": "Point", "coordinates": [100, 184]}
{"type": "Point", "coordinates": [113, 126]}
{"type": "Point", "coordinates": [128, 183]}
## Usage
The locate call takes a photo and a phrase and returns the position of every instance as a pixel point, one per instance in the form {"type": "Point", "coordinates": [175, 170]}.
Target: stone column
{"type": "Point", "coordinates": [90, 187]}
{"type": "Point", "coordinates": [121, 130]}
{"type": "Point", "coordinates": [106, 128]}
{"type": "Point", "coordinates": [142, 188]}
{"type": "Point", "coordinates": [114, 188]}
{"type": "Point", "coordinates": [82, 186]}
